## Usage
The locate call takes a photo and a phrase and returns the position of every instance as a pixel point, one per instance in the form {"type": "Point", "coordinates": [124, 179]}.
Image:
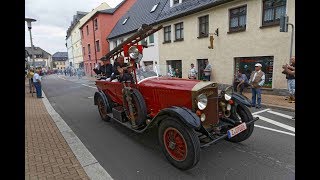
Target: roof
{"type": "Point", "coordinates": [75, 20]}
{"type": "Point", "coordinates": [105, 11]}
{"type": "Point", "coordinates": [138, 14]}
{"type": "Point", "coordinates": [187, 7]}
{"type": "Point", "coordinates": [60, 56]}
{"type": "Point", "coordinates": [112, 10]}
{"type": "Point", "coordinates": [38, 51]}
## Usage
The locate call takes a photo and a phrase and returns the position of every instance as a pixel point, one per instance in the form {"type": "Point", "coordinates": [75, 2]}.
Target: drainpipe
{"type": "Point", "coordinates": [94, 41]}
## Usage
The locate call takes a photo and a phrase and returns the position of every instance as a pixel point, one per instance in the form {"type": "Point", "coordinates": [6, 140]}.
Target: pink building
{"type": "Point", "coordinates": [94, 33]}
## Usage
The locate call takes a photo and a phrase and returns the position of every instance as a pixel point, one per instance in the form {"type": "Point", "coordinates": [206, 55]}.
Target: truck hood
{"type": "Point", "coordinates": [174, 83]}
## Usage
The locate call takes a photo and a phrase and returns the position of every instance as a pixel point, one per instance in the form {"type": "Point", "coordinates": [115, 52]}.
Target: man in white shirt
{"type": "Point", "coordinates": [256, 81]}
{"type": "Point", "coordinates": [192, 72]}
{"type": "Point", "coordinates": [37, 83]}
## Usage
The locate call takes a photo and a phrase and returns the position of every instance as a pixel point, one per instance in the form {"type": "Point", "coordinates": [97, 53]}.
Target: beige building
{"type": "Point", "coordinates": [244, 31]}
{"type": "Point", "coordinates": [76, 48]}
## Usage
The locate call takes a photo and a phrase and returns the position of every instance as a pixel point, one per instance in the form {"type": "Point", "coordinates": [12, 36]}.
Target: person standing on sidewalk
{"type": "Point", "coordinates": [37, 83]}
{"type": "Point", "coordinates": [192, 72]}
{"type": "Point", "coordinates": [256, 81]}
{"type": "Point", "coordinates": [207, 71]}
{"type": "Point", "coordinates": [30, 76]}
{"type": "Point", "coordinates": [289, 71]}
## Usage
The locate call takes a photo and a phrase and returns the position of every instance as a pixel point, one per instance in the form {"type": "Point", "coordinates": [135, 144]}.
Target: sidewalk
{"type": "Point", "coordinates": [47, 154]}
{"type": "Point", "coordinates": [273, 101]}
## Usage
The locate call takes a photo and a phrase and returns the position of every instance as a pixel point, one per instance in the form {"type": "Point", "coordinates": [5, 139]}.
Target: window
{"type": "Point", "coordinates": [121, 40]}
{"type": "Point", "coordinates": [89, 50]}
{"type": "Point", "coordinates": [204, 26]}
{"type": "Point", "coordinates": [151, 39]}
{"type": "Point", "coordinates": [125, 21]}
{"type": "Point", "coordinates": [175, 2]}
{"type": "Point", "coordinates": [172, 66]}
{"type": "Point", "coordinates": [178, 32]}
{"type": "Point", "coordinates": [95, 24]}
{"type": "Point", "coordinates": [167, 34]}
{"type": "Point", "coordinates": [246, 65]}
{"type": "Point", "coordinates": [84, 50]}
{"type": "Point", "coordinates": [82, 33]}
{"type": "Point", "coordinates": [154, 7]}
{"type": "Point", "coordinates": [87, 30]}
{"type": "Point", "coordinates": [237, 19]}
{"type": "Point", "coordinates": [272, 11]}
{"type": "Point", "coordinates": [115, 43]}
{"type": "Point", "coordinates": [98, 46]}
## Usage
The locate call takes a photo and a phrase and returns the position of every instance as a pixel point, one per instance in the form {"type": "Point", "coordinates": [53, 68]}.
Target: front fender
{"type": "Point", "coordinates": [185, 115]}
{"type": "Point", "coordinates": [240, 99]}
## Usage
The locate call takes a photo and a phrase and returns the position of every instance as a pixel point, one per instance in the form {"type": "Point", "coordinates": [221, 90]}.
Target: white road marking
{"type": "Point", "coordinates": [277, 123]}
{"type": "Point", "coordinates": [280, 114]}
{"type": "Point", "coordinates": [291, 134]}
{"type": "Point", "coordinates": [260, 111]}
{"type": "Point", "coordinates": [61, 77]}
{"type": "Point", "coordinates": [89, 86]}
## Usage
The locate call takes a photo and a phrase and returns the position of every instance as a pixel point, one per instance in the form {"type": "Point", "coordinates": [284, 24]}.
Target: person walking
{"type": "Point", "coordinates": [37, 83]}
{"type": "Point", "coordinates": [192, 72]}
{"type": "Point", "coordinates": [256, 81]}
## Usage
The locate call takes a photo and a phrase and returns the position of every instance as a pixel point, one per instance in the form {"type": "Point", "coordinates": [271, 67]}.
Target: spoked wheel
{"type": "Point", "coordinates": [179, 143]}
{"type": "Point", "coordinates": [139, 107]}
{"type": "Point", "coordinates": [102, 106]}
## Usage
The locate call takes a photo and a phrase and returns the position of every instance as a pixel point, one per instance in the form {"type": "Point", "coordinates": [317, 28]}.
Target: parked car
{"type": "Point", "coordinates": [189, 114]}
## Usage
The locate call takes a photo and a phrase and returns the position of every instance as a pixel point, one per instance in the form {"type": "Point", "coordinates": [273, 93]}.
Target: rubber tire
{"type": "Point", "coordinates": [246, 116]}
{"type": "Point", "coordinates": [142, 107]}
{"type": "Point", "coordinates": [104, 118]}
{"type": "Point", "coordinates": [192, 141]}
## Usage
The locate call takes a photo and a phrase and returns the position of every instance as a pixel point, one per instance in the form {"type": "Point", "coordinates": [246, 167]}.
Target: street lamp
{"type": "Point", "coordinates": [29, 20]}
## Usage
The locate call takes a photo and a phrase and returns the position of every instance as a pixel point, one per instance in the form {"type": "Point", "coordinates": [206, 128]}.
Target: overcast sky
{"type": "Point", "coordinates": [53, 19]}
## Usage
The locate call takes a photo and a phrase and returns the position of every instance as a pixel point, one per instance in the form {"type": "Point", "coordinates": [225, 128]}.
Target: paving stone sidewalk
{"type": "Point", "coordinates": [47, 154]}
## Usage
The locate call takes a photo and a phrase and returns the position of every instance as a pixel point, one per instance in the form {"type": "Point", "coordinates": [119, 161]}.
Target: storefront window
{"type": "Point", "coordinates": [246, 65]}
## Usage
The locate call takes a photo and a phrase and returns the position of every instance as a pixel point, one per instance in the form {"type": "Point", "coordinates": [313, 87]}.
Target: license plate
{"type": "Point", "coordinates": [236, 130]}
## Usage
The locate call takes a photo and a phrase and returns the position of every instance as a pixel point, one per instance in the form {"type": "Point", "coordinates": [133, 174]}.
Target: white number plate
{"type": "Point", "coordinates": [236, 130]}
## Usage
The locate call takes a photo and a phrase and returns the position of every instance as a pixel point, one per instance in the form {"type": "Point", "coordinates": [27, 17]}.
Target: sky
{"type": "Point", "coordinates": [53, 19]}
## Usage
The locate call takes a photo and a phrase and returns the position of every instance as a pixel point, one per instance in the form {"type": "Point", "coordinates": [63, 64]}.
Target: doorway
{"type": "Point", "coordinates": [201, 66]}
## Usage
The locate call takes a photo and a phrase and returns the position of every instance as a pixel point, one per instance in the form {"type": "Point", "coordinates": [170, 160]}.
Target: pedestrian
{"type": "Point", "coordinates": [192, 72]}
{"type": "Point", "coordinates": [289, 71]}
{"type": "Point", "coordinates": [79, 73]}
{"type": "Point", "coordinates": [37, 83]}
{"type": "Point", "coordinates": [256, 81]}
{"type": "Point", "coordinates": [177, 73]}
{"type": "Point", "coordinates": [30, 78]}
{"type": "Point", "coordinates": [207, 71]}
{"type": "Point", "coordinates": [240, 82]}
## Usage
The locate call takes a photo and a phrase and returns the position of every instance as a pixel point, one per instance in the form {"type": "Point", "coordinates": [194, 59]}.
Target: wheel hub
{"type": "Point", "coordinates": [172, 145]}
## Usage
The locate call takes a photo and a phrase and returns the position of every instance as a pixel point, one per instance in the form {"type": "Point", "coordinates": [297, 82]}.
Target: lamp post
{"type": "Point", "coordinates": [29, 20]}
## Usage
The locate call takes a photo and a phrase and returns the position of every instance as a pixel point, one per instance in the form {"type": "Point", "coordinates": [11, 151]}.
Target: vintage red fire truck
{"type": "Point", "coordinates": [189, 114]}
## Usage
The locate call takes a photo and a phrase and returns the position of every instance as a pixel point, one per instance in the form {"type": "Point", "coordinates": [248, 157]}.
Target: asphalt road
{"type": "Point", "coordinates": [268, 154]}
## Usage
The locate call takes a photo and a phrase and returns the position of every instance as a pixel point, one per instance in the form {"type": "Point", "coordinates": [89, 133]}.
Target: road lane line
{"type": "Point", "coordinates": [280, 114]}
{"type": "Point", "coordinates": [91, 166]}
{"type": "Point", "coordinates": [89, 86]}
{"type": "Point", "coordinates": [61, 78]}
{"type": "Point", "coordinates": [277, 123]}
{"type": "Point", "coordinates": [291, 134]}
{"type": "Point", "coordinates": [260, 111]}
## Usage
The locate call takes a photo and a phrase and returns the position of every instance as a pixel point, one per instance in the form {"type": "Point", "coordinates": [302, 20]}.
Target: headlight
{"type": "Point", "coordinates": [133, 52]}
{"type": "Point", "coordinates": [228, 93]}
{"type": "Point", "coordinates": [202, 101]}
{"type": "Point", "coordinates": [203, 117]}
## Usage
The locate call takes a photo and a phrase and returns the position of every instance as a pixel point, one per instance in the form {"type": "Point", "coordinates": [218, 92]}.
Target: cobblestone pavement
{"type": "Point", "coordinates": [47, 154]}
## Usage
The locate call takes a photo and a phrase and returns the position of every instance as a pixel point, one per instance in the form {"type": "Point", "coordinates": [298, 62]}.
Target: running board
{"type": "Point", "coordinates": [127, 124]}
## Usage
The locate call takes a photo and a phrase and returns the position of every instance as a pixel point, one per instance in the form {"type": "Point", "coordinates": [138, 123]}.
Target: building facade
{"type": "Point", "coordinates": [241, 32]}
{"type": "Point", "coordinates": [94, 33]}
{"type": "Point", "coordinates": [60, 60]}
{"type": "Point", "coordinates": [142, 12]}
{"type": "Point", "coordinates": [41, 57]}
